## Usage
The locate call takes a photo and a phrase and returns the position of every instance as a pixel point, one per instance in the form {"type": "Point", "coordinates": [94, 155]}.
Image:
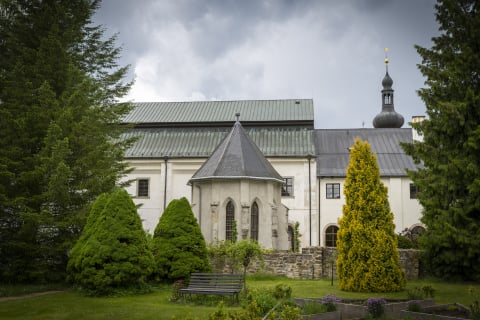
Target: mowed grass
{"type": "Point", "coordinates": [73, 305]}
{"type": "Point", "coordinates": [156, 305]}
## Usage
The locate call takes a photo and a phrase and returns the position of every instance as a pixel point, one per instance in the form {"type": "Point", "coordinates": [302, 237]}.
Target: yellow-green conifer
{"type": "Point", "coordinates": [368, 260]}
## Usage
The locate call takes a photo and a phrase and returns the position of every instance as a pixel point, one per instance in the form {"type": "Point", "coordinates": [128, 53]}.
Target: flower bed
{"type": "Point", "coordinates": [451, 311]}
{"type": "Point", "coordinates": [357, 309]}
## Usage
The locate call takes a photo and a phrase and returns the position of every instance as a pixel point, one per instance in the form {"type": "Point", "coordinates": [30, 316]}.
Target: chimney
{"type": "Point", "coordinates": [417, 136]}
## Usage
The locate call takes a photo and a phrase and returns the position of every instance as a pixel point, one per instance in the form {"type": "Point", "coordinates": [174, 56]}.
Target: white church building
{"type": "Point", "coordinates": [260, 166]}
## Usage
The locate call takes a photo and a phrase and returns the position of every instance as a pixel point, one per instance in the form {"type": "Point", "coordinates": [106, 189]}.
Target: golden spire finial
{"type": "Point", "coordinates": [386, 59]}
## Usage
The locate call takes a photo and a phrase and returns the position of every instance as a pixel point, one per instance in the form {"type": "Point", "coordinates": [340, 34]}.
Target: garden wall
{"type": "Point", "coordinates": [319, 262]}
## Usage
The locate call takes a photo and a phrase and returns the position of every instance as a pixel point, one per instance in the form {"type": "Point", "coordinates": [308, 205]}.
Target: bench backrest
{"type": "Point", "coordinates": [216, 280]}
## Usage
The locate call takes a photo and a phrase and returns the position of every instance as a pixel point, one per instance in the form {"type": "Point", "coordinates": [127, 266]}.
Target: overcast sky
{"type": "Point", "coordinates": [329, 51]}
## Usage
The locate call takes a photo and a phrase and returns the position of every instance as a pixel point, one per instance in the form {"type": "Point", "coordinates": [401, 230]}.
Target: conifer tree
{"type": "Point", "coordinates": [368, 260]}
{"type": "Point", "coordinates": [59, 127]}
{"type": "Point", "coordinates": [449, 182]}
{"type": "Point", "coordinates": [178, 244]}
{"type": "Point", "coordinates": [112, 252]}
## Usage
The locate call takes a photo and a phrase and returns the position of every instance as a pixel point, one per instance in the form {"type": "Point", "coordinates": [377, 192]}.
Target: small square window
{"type": "Point", "coordinates": [413, 191]}
{"type": "Point", "coordinates": [143, 188]}
{"type": "Point", "coordinates": [287, 188]}
{"type": "Point", "coordinates": [333, 190]}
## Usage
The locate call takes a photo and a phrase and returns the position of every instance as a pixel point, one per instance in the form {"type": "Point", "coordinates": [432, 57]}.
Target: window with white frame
{"type": "Point", "coordinates": [333, 190]}
{"type": "Point", "coordinates": [287, 188]}
{"type": "Point", "coordinates": [143, 188]}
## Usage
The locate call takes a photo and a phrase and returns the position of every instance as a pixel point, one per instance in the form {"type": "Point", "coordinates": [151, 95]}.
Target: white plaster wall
{"type": "Point", "coordinates": [330, 209]}
{"type": "Point", "coordinates": [299, 203]}
{"type": "Point", "coordinates": [152, 206]}
{"type": "Point", "coordinates": [406, 211]}
{"type": "Point", "coordinates": [412, 209]}
{"type": "Point", "coordinates": [179, 172]}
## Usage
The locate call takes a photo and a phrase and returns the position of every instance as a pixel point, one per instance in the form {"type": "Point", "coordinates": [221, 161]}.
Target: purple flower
{"type": "Point", "coordinates": [330, 298]}
{"type": "Point", "coordinates": [375, 306]}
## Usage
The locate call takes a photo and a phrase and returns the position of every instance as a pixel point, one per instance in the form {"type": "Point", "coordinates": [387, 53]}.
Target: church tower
{"type": "Point", "coordinates": [388, 117]}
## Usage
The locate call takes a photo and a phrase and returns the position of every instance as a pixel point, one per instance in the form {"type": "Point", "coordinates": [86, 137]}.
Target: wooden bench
{"type": "Point", "coordinates": [215, 284]}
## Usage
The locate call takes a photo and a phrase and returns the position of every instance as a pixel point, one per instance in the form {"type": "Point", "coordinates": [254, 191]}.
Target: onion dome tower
{"type": "Point", "coordinates": [388, 117]}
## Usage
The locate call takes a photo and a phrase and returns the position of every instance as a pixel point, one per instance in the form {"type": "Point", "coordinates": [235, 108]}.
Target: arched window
{"type": "Point", "coordinates": [229, 221]}
{"type": "Point", "coordinates": [388, 99]}
{"type": "Point", "coordinates": [254, 222]}
{"type": "Point", "coordinates": [331, 236]}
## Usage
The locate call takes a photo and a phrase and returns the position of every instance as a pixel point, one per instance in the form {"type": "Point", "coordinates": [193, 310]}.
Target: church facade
{"type": "Point", "coordinates": [256, 174]}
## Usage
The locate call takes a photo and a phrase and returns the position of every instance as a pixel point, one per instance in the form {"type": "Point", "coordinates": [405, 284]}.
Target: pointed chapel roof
{"type": "Point", "coordinates": [237, 157]}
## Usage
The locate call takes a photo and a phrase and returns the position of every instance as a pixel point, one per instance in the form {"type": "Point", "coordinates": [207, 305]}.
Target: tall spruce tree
{"type": "Point", "coordinates": [449, 183]}
{"type": "Point", "coordinates": [59, 127]}
{"type": "Point", "coordinates": [368, 260]}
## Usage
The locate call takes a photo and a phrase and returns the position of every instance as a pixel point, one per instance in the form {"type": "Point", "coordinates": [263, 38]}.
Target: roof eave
{"type": "Point", "coordinates": [209, 178]}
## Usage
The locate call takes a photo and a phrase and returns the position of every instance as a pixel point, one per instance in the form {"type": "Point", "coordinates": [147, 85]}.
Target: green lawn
{"type": "Point", "coordinates": [156, 305]}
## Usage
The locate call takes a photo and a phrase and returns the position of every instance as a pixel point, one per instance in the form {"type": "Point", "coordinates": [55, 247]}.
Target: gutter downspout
{"type": "Point", "coordinates": [309, 157]}
{"type": "Point", "coordinates": [165, 186]}
{"type": "Point", "coordinates": [319, 215]}
{"type": "Point", "coordinates": [200, 206]}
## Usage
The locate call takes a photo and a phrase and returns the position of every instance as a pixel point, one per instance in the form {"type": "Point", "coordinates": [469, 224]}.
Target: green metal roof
{"type": "Point", "coordinates": [201, 142]}
{"type": "Point", "coordinates": [291, 110]}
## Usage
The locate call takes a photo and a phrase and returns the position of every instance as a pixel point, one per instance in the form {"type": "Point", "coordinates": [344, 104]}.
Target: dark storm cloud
{"type": "Point", "coordinates": [331, 51]}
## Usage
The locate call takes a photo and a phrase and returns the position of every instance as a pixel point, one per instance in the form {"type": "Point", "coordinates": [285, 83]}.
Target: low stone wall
{"type": "Point", "coordinates": [319, 262]}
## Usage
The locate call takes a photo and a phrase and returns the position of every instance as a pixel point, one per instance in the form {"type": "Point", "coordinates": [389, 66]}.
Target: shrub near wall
{"type": "Point", "coordinates": [368, 260]}
{"type": "Point", "coordinates": [178, 244]}
{"type": "Point", "coordinates": [112, 252]}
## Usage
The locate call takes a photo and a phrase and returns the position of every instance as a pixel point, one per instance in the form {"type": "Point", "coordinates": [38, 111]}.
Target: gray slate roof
{"type": "Point", "coordinates": [237, 157]}
{"type": "Point", "coordinates": [291, 110]}
{"type": "Point", "coordinates": [333, 156]}
{"type": "Point", "coordinates": [201, 141]}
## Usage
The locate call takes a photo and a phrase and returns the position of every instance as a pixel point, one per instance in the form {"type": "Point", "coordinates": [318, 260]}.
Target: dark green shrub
{"type": "Point", "coordinates": [260, 301]}
{"type": "Point", "coordinates": [244, 252]}
{"type": "Point", "coordinates": [218, 255]}
{"type": "Point", "coordinates": [112, 254]}
{"type": "Point", "coordinates": [314, 307]}
{"type": "Point", "coordinates": [428, 291]}
{"type": "Point", "coordinates": [282, 292]}
{"type": "Point", "coordinates": [405, 242]}
{"type": "Point", "coordinates": [414, 294]}
{"type": "Point", "coordinates": [178, 244]}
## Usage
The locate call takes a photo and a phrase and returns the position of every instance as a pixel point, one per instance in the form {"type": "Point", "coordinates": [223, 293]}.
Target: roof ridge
{"type": "Point", "coordinates": [220, 101]}
{"type": "Point", "coordinates": [228, 140]}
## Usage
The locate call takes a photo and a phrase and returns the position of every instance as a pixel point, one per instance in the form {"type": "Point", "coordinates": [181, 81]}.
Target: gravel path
{"type": "Point", "coordinates": [31, 295]}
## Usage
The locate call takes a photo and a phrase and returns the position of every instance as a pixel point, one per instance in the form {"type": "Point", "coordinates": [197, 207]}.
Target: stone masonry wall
{"type": "Point", "coordinates": [319, 262]}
